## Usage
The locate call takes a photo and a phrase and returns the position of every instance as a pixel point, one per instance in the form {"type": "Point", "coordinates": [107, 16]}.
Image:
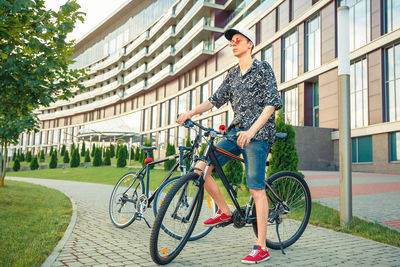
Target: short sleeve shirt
{"type": "Point", "coordinates": [249, 94]}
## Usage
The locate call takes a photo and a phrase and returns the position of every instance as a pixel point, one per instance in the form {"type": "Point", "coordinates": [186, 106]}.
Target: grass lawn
{"type": "Point", "coordinates": [320, 215]}
{"type": "Point", "coordinates": [33, 219]}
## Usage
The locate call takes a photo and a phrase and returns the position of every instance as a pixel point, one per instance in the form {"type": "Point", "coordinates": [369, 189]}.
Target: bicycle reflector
{"type": "Point", "coordinates": [222, 128]}
{"type": "Point", "coordinates": [148, 160]}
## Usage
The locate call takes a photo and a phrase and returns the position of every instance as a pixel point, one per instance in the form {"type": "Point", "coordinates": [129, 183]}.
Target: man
{"type": "Point", "coordinates": [252, 91]}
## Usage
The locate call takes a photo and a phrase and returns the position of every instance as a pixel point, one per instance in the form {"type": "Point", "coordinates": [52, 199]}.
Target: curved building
{"type": "Point", "coordinates": [151, 60]}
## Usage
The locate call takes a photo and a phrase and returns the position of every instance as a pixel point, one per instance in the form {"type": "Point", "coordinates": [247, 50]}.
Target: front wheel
{"type": "Point", "coordinates": [176, 218]}
{"type": "Point", "coordinates": [124, 198]}
{"type": "Point", "coordinates": [209, 209]}
{"type": "Point", "coordinates": [291, 213]}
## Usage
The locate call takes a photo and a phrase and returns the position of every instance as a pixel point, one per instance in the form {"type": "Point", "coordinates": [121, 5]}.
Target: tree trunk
{"type": "Point", "coordinates": [3, 163]}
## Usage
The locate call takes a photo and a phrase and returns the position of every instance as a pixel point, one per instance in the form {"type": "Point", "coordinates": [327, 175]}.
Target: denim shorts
{"type": "Point", "coordinates": [254, 155]}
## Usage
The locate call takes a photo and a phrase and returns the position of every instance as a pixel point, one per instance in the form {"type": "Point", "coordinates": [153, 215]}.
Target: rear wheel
{"type": "Point", "coordinates": [292, 214]}
{"type": "Point", "coordinates": [176, 219]}
{"type": "Point", "coordinates": [124, 199]}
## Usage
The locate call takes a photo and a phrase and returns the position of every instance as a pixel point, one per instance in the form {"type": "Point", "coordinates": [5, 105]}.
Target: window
{"type": "Point", "coordinates": [145, 116]}
{"type": "Point", "coordinates": [216, 122]}
{"type": "Point", "coordinates": [192, 99]}
{"type": "Point", "coordinates": [171, 136]}
{"type": "Point", "coordinates": [162, 115]}
{"type": "Point", "coordinates": [182, 104]}
{"type": "Point", "coordinates": [153, 123]}
{"type": "Point", "coordinates": [161, 140]}
{"type": "Point", "coordinates": [359, 94]}
{"type": "Point", "coordinates": [362, 149]}
{"type": "Point", "coordinates": [181, 136]}
{"type": "Point", "coordinates": [290, 106]}
{"type": "Point", "coordinates": [171, 117]}
{"type": "Point", "coordinates": [204, 93]}
{"type": "Point", "coordinates": [315, 105]}
{"type": "Point", "coordinates": [394, 145]}
{"type": "Point", "coordinates": [392, 15]}
{"type": "Point", "coordinates": [313, 44]}
{"type": "Point", "coordinates": [266, 55]}
{"type": "Point", "coordinates": [359, 22]}
{"type": "Point", "coordinates": [216, 83]}
{"type": "Point", "coordinates": [392, 83]}
{"type": "Point", "coordinates": [290, 45]}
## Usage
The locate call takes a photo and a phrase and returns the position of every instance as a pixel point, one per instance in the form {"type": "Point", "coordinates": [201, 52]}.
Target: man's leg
{"type": "Point", "coordinates": [261, 201]}
{"type": "Point", "coordinates": [212, 188]}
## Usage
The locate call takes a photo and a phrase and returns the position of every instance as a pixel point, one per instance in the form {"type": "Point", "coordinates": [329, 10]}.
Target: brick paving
{"type": "Point", "coordinates": [94, 240]}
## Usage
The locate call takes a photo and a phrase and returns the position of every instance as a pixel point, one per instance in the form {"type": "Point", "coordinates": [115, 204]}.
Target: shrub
{"type": "Point", "coordinates": [137, 154]}
{"type": "Point", "coordinates": [170, 151]}
{"type": "Point", "coordinates": [66, 157]}
{"type": "Point", "coordinates": [233, 170]}
{"type": "Point", "coordinates": [188, 161]}
{"type": "Point", "coordinates": [75, 158]}
{"type": "Point", "coordinates": [97, 157]}
{"type": "Point", "coordinates": [87, 156]}
{"type": "Point", "coordinates": [22, 157]}
{"type": "Point", "coordinates": [14, 156]}
{"type": "Point", "coordinates": [28, 157]}
{"type": "Point", "coordinates": [63, 150]}
{"type": "Point", "coordinates": [41, 155]}
{"type": "Point", "coordinates": [121, 162]}
{"type": "Point", "coordinates": [284, 156]}
{"type": "Point", "coordinates": [72, 148]}
{"type": "Point", "coordinates": [83, 149]}
{"type": "Point", "coordinates": [112, 150]}
{"type": "Point", "coordinates": [93, 150]}
{"type": "Point", "coordinates": [34, 163]}
{"type": "Point", "coordinates": [132, 153]}
{"type": "Point", "coordinates": [107, 157]}
{"type": "Point", "coordinates": [51, 151]}
{"type": "Point", "coordinates": [17, 165]}
{"type": "Point", "coordinates": [53, 160]}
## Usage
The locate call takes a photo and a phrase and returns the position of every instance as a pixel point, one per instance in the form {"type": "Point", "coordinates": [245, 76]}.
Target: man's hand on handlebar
{"type": "Point", "coordinates": [183, 117]}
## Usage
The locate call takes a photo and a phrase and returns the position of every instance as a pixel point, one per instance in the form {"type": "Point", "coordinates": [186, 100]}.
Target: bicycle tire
{"type": "Point", "coordinates": [122, 210]}
{"type": "Point", "coordinates": [164, 247]}
{"type": "Point", "coordinates": [206, 212]}
{"type": "Point", "coordinates": [292, 189]}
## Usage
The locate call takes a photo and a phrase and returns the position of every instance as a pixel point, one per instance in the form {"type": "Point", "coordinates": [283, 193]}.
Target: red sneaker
{"type": "Point", "coordinates": [257, 255]}
{"type": "Point", "coordinates": [217, 219]}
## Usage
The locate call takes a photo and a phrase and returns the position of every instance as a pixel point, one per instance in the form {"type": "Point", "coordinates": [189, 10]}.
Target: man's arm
{"type": "Point", "coordinates": [203, 107]}
{"type": "Point", "coordinates": [244, 137]}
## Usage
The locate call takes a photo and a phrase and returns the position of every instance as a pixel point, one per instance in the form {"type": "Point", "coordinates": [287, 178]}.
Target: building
{"type": "Point", "coordinates": [151, 60]}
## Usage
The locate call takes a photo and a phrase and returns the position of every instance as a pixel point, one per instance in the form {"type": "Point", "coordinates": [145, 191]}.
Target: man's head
{"type": "Point", "coordinates": [241, 40]}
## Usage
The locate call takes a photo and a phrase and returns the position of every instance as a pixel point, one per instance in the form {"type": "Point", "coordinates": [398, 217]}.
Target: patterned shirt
{"type": "Point", "coordinates": [249, 94]}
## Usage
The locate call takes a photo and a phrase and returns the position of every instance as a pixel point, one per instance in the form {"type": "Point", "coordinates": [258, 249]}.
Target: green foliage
{"type": "Point", "coordinates": [202, 148]}
{"type": "Point", "coordinates": [284, 156]}
{"type": "Point", "coordinates": [132, 153]}
{"type": "Point", "coordinates": [53, 160]}
{"type": "Point", "coordinates": [83, 149]}
{"type": "Point", "coordinates": [34, 163]}
{"type": "Point", "coordinates": [121, 161]}
{"type": "Point", "coordinates": [112, 150]}
{"type": "Point", "coordinates": [169, 151]}
{"type": "Point", "coordinates": [28, 157]}
{"type": "Point", "coordinates": [66, 157]}
{"type": "Point", "coordinates": [188, 161]}
{"type": "Point", "coordinates": [16, 165]}
{"type": "Point", "coordinates": [137, 154]}
{"type": "Point", "coordinates": [93, 150]}
{"type": "Point", "coordinates": [107, 157]}
{"type": "Point", "coordinates": [22, 156]}
{"type": "Point", "coordinates": [41, 155]}
{"type": "Point", "coordinates": [87, 156]}
{"type": "Point", "coordinates": [97, 157]}
{"type": "Point", "coordinates": [118, 149]}
{"type": "Point", "coordinates": [14, 156]}
{"type": "Point", "coordinates": [63, 150]}
{"type": "Point", "coordinates": [75, 158]}
{"type": "Point", "coordinates": [51, 150]}
{"type": "Point", "coordinates": [72, 148]}
{"type": "Point", "coordinates": [233, 170]}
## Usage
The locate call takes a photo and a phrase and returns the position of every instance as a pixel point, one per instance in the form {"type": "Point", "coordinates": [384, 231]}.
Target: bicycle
{"type": "Point", "coordinates": [289, 205]}
{"type": "Point", "coordinates": [130, 196]}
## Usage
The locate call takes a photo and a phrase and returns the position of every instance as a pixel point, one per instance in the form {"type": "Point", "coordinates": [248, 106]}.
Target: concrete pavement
{"type": "Point", "coordinates": [94, 241]}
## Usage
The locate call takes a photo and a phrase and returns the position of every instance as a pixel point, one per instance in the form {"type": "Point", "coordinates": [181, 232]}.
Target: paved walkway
{"type": "Point", "coordinates": [94, 240]}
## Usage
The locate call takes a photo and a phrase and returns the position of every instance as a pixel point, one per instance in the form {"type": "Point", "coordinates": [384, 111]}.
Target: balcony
{"type": "Point", "coordinates": [108, 74]}
{"type": "Point", "coordinates": [160, 23]}
{"type": "Point", "coordinates": [137, 42]}
{"type": "Point", "coordinates": [161, 40]}
{"type": "Point", "coordinates": [135, 88]}
{"type": "Point", "coordinates": [89, 83]}
{"type": "Point", "coordinates": [134, 74]}
{"type": "Point", "coordinates": [188, 16]}
{"type": "Point", "coordinates": [136, 58]}
{"type": "Point", "coordinates": [159, 76]}
{"type": "Point", "coordinates": [182, 4]}
{"type": "Point", "coordinates": [160, 58]}
{"type": "Point", "coordinates": [202, 49]}
{"type": "Point", "coordinates": [110, 60]}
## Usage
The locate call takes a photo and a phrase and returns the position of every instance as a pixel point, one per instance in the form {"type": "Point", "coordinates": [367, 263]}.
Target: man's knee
{"type": "Point", "coordinates": [258, 194]}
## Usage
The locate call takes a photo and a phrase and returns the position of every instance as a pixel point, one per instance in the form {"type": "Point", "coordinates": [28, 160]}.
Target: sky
{"type": "Point", "coordinates": [96, 11]}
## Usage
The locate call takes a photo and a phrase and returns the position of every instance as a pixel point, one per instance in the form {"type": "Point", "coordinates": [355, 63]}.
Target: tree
{"type": "Point", "coordinates": [137, 154]}
{"type": "Point", "coordinates": [83, 149]}
{"type": "Point", "coordinates": [22, 156]}
{"type": "Point", "coordinates": [28, 156]}
{"type": "Point", "coordinates": [169, 151]}
{"type": "Point", "coordinates": [112, 150]}
{"type": "Point", "coordinates": [63, 150]}
{"type": "Point", "coordinates": [53, 160]}
{"type": "Point", "coordinates": [87, 156]}
{"type": "Point", "coordinates": [93, 150]}
{"type": "Point", "coordinates": [284, 156]}
{"type": "Point", "coordinates": [132, 153]}
{"type": "Point", "coordinates": [118, 149]}
{"type": "Point", "coordinates": [188, 161]}
{"type": "Point", "coordinates": [14, 156]}
{"type": "Point", "coordinates": [34, 163]}
{"type": "Point", "coordinates": [66, 157]}
{"type": "Point", "coordinates": [97, 157]}
{"type": "Point", "coordinates": [107, 157]}
{"type": "Point", "coordinates": [41, 155]}
{"type": "Point", "coordinates": [75, 158]}
{"type": "Point", "coordinates": [121, 161]}
{"type": "Point", "coordinates": [233, 170]}
{"type": "Point", "coordinates": [51, 151]}
{"type": "Point", "coordinates": [34, 65]}
{"type": "Point", "coordinates": [17, 165]}
{"type": "Point", "coordinates": [72, 148]}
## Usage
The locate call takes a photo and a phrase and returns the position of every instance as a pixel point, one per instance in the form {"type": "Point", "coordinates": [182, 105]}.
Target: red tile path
{"type": "Point", "coordinates": [336, 176]}
{"type": "Point", "coordinates": [394, 224]}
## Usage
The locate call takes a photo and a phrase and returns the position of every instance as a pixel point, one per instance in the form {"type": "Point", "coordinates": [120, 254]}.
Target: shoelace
{"type": "Point", "coordinates": [253, 253]}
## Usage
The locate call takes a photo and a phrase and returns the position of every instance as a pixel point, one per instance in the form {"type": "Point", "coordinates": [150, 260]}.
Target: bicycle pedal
{"type": "Point", "coordinates": [223, 224]}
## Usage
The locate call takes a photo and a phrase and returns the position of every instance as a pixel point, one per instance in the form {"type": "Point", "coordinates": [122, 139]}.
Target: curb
{"type": "Point", "coordinates": [57, 250]}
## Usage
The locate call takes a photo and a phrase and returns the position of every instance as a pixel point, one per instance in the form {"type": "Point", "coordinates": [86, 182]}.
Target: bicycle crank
{"type": "Point", "coordinates": [141, 204]}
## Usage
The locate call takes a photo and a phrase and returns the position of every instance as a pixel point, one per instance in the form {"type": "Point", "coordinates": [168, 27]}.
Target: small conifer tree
{"type": "Point", "coordinates": [169, 151]}
{"type": "Point", "coordinates": [53, 160]}
{"type": "Point", "coordinates": [83, 149]}
{"type": "Point", "coordinates": [63, 150]}
{"type": "Point", "coordinates": [22, 157]}
{"type": "Point", "coordinates": [93, 150]}
{"type": "Point", "coordinates": [87, 156]}
{"type": "Point", "coordinates": [42, 155]}
{"type": "Point", "coordinates": [112, 150]}
{"type": "Point", "coordinates": [121, 162]}
{"type": "Point", "coordinates": [75, 158]}
{"type": "Point", "coordinates": [132, 153]}
{"type": "Point", "coordinates": [16, 165]}
{"type": "Point", "coordinates": [137, 154]}
{"type": "Point", "coordinates": [28, 157]}
{"type": "Point", "coordinates": [107, 157]}
{"type": "Point", "coordinates": [51, 150]}
{"type": "Point", "coordinates": [34, 163]}
{"type": "Point", "coordinates": [97, 157]}
{"type": "Point", "coordinates": [66, 157]}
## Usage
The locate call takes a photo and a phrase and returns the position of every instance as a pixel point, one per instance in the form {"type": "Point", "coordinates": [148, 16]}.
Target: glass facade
{"type": "Point", "coordinates": [172, 112]}
{"type": "Point", "coordinates": [291, 106]}
{"type": "Point", "coordinates": [392, 83]}
{"type": "Point", "coordinates": [315, 105]}
{"type": "Point", "coordinates": [182, 104]}
{"type": "Point", "coordinates": [360, 22]}
{"type": "Point", "coordinates": [204, 93]}
{"type": "Point", "coordinates": [362, 149]}
{"type": "Point", "coordinates": [153, 117]}
{"type": "Point", "coordinates": [392, 15]}
{"type": "Point", "coordinates": [193, 103]}
{"type": "Point", "coordinates": [394, 145]}
{"type": "Point", "coordinates": [290, 56]}
{"type": "Point", "coordinates": [266, 55]}
{"type": "Point", "coordinates": [162, 115]}
{"type": "Point", "coordinates": [359, 94]}
{"type": "Point", "coordinates": [313, 44]}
